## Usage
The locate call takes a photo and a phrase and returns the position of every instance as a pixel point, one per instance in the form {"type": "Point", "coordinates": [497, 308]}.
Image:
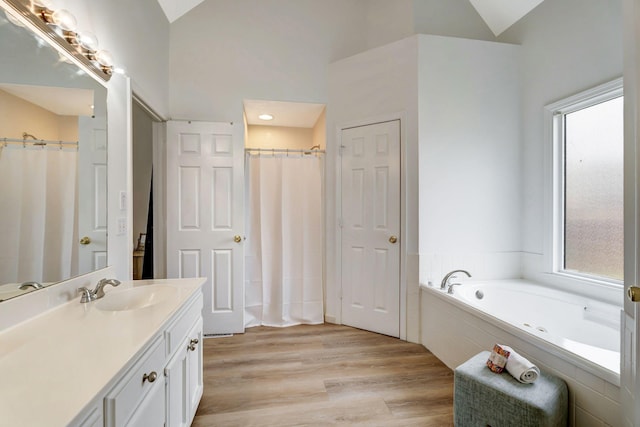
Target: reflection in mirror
{"type": "Point", "coordinates": [53, 170]}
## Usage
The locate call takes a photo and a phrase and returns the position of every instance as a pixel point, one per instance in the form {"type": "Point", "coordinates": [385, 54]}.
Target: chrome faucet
{"type": "Point", "coordinates": [34, 285]}
{"type": "Point", "coordinates": [449, 276]}
{"type": "Point", "coordinates": [89, 295]}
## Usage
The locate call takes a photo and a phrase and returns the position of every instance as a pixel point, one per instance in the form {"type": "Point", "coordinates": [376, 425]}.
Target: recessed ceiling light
{"type": "Point", "coordinates": [265, 117]}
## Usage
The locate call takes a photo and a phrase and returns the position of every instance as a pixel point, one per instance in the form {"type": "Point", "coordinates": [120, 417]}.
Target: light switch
{"type": "Point", "coordinates": [123, 200]}
{"type": "Point", "coordinates": [122, 226]}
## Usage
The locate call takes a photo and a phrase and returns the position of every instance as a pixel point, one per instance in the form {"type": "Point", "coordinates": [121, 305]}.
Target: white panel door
{"type": "Point", "coordinates": [205, 223]}
{"type": "Point", "coordinates": [630, 319]}
{"type": "Point", "coordinates": [92, 194]}
{"type": "Point", "coordinates": [371, 227]}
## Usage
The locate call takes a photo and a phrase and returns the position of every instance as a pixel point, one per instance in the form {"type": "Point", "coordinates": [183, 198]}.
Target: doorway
{"type": "Point", "coordinates": [143, 121]}
{"type": "Point", "coordinates": [284, 251]}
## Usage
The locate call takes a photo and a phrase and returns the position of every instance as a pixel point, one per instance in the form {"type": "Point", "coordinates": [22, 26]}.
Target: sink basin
{"type": "Point", "coordinates": [136, 298]}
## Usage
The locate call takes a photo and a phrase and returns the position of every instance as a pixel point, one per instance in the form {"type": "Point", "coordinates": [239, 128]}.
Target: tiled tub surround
{"type": "Point", "coordinates": [68, 356]}
{"type": "Point", "coordinates": [455, 330]}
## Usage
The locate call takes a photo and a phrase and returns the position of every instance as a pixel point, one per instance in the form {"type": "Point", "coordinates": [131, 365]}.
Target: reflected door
{"type": "Point", "coordinates": [92, 193]}
{"type": "Point", "coordinates": [370, 227]}
{"type": "Point", "coordinates": [205, 225]}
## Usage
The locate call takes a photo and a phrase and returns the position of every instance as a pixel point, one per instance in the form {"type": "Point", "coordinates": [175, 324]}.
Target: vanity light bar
{"type": "Point", "coordinates": [40, 20]}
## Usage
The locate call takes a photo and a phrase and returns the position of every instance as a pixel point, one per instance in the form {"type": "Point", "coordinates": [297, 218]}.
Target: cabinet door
{"type": "Point", "coordinates": [194, 369]}
{"type": "Point", "coordinates": [177, 392]}
{"type": "Point", "coordinates": [151, 411]}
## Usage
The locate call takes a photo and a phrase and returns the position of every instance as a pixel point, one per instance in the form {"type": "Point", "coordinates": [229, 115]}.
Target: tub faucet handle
{"type": "Point", "coordinates": [450, 288]}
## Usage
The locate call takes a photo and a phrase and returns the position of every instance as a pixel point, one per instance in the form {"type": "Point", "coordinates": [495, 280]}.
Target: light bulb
{"type": "Point", "coordinates": [64, 19]}
{"type": "Point", "coordinates": [265, 117]}
{"type": "Point", "coordinates": [104, 58]}
{"type": "Point", "coordinates": [88, 41]}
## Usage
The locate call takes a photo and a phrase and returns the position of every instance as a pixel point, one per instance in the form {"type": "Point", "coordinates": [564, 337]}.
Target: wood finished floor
{"type": "Point", "coordinates": [322, 375]}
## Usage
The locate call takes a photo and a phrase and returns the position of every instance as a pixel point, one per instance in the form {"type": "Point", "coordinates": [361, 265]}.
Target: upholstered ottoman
{"type": "Point", "coordinates": [482, 397]}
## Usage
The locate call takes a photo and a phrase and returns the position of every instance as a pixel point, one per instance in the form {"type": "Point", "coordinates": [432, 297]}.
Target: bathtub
{"type": "Point", "coordinates": [571, 336]}
{"type": "Point", "coordinates": [576, 328]}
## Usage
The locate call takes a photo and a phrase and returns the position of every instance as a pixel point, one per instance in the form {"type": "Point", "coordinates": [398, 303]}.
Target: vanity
{"type": "Point", "coordinates": [131, 358]}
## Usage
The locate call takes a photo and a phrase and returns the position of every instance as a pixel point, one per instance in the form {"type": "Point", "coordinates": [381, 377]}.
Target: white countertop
{"type": "Point", "coordinates": [52, 366]}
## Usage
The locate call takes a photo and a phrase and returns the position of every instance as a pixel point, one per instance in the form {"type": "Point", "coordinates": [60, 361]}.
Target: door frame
{"type": "Point", "coordinates": [337, 158]}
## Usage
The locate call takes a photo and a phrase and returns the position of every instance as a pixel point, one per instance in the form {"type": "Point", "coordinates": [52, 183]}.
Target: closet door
{"type": "Point", "coordinates": [371, 227]}
{"type": "Point", "coordinates": [205, 219]}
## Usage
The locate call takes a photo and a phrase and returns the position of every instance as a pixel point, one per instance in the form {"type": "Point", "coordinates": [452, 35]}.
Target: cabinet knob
{"type": "Point", "coordinates": [150, 377]}
{"type": "Point", "coordinates": [192, 344]}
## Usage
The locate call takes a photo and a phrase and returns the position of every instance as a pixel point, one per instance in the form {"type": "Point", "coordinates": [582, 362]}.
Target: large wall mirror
{"type": "Point", "coordinates": [53, 165]}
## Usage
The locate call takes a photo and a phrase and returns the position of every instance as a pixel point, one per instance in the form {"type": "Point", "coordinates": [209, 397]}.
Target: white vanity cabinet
{"type": "Point", "coordinates": [184, 379]}
{"type": "Point", "coordinates": [106, 359]}
{"type": "Point", "coordinates": [164, 386]}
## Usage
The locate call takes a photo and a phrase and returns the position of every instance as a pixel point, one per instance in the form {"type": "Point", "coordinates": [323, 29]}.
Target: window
{"type": "Point", "coordinates": [588, 148]}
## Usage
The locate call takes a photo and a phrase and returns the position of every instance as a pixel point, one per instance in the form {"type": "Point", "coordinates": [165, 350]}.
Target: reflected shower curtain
{"type": "Point", "coordinates": [283, 280]}
{"type": "Point", "coordinates": [37, 213]}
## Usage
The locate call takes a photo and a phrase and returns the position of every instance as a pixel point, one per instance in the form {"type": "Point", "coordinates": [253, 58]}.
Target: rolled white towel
{"type": "Point", "coordinates": [520, 368]}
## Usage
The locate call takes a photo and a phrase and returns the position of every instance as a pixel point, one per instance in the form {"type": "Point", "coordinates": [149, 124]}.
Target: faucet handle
{"type": "Point", "coordinates": [87, 295]}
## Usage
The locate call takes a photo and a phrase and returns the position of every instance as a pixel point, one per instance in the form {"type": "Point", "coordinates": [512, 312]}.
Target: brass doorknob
{"type": "Point", "coordinates": [633, 292]}
{"type": "Point", "coordinates": [393, 239]}
{"type": "Point", "coordinates": [150, 377]}
{"type": "Point", "coordinates": [237, 239]}
{"type": "Point", "coordinates": [85, 240]}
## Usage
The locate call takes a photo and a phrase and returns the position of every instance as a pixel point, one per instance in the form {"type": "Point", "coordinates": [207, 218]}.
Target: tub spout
{"type": "Point", "coordinates": [449, 276]}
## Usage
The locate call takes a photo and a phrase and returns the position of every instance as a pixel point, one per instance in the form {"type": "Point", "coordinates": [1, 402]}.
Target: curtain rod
{"type": "Point", "coordinates": [37, 142]}
{"type": "Point", "coordinates": [283, 150]}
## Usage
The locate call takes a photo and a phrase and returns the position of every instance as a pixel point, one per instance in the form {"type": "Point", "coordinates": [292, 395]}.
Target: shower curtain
{"type": "Point", "coordinates": [37, 213]}
{"type": "Point", "coordinates": [283, 280]}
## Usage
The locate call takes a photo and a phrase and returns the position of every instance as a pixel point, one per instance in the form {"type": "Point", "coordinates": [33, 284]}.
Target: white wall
{"type": "Point", "coordinates": [469, 158]}
{"type": "Point", "coordinates": [567, 46]}
{"type": "Point", "coordinates": [388, 21]}
{"type": "Point", "coordinates": [225, 51]}
{"type": "Point", "coordinates": [379, 84]}
{"type": "Point", "coordinates": [137, 35]}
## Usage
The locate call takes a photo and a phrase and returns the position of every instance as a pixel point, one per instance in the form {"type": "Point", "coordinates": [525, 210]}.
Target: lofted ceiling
{"type": "Point", "coordinates": [501, 14]}
{"type": "Point", "coordinates": [174, 9]}
{"type": "Point", "coordinates": [498, 14]}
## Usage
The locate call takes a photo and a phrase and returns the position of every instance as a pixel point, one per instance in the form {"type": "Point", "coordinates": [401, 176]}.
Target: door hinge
{"type": "Point", "coordinates": [340, 222]}
{"type": "Point", "coordinates": [341, 150]}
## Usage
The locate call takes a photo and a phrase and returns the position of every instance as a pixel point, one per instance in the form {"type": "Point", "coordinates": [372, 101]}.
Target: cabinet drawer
{"type": "Point", "coordinates": [125, 397]}
{"type": "Point", "coordinates": [177, 332]}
